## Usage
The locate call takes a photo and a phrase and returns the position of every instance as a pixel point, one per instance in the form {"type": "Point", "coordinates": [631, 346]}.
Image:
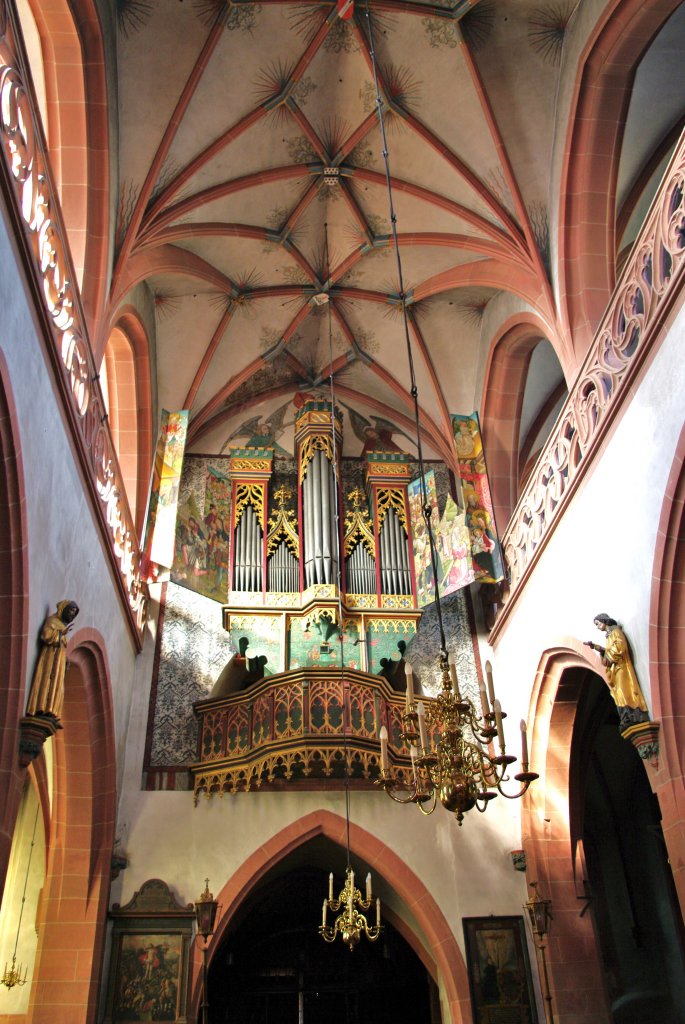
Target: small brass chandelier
{"type": "Point", "coordinates": [350, 923]}
{"type": "Point", "coordinates": [452, 755]}
{"type": "Point", "coordinates": [13, 975]}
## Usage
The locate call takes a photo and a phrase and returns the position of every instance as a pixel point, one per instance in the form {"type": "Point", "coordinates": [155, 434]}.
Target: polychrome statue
{"type": "Point", "coordinates": [621, 675]}
{"type": "Point", "coordinates": [47, 688]}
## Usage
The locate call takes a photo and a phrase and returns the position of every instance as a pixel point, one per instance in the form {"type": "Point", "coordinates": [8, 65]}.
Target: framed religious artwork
{"type": "Point", "coordinates": [499, 971]}
{"type": "Point", "coordinates": [150, 957]}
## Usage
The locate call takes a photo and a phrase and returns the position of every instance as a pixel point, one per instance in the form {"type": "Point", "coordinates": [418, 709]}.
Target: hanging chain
{"type": "Point", "coordinates": [336, 482]}
{"type": "Point", "coordinates": [427, 508]}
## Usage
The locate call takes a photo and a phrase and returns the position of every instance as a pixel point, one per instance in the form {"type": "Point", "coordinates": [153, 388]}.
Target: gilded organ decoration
{"type": "Point", "coordinates": [283, 524]}
{"type": "Point", "coordinates": [358, 526]}
{"type": "Point", "coordinates": [249, 494]}
{"type": "Point", "coordinates": [391, 498]}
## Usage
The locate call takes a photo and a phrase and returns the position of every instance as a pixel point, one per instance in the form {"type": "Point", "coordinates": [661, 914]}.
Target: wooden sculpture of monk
{"type": "Point", "coordinates": [47, 688]}
{"type": "Point", "coordinates": [621, 675]}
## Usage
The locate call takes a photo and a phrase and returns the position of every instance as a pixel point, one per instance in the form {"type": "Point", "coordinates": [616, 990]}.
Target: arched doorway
{"type": "Point", "coordinates": [273, 966]}
{"type": "Point", "coordinates": [630, 884]}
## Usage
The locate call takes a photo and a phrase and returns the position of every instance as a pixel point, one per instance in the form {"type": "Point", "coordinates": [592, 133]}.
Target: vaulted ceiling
{"type": "Point", "coordinates": [269, 272]}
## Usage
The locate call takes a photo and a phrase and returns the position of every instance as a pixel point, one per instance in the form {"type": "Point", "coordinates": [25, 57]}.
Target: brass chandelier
{"type": "Point", "coordinates": [452, 753]}
{"type": "Point", "coordinates": [458, 764]}
{"type": "Point", "coordinates": [350, 924]}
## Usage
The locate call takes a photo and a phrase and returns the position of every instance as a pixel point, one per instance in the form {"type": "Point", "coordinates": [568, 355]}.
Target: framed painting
{"type": "Point", "coordinates": [148, 977]}
{"type": "Point", "coordinates": [499, 971]}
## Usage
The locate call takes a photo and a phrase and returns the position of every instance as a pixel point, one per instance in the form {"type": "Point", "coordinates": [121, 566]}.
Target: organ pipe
{"type": "Point", "coordinates": [361, 573]}
{"type": "Point", "coordinates": [394, 551]}
{"type": "Point", "coordinates": [283, 570]}
{"type": "Point", "coordinates": [319, 500]}
{"type": "Point", "coordinates": [248, 547]}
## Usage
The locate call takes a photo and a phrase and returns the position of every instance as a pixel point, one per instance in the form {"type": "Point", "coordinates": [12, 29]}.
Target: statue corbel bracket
{"type": "Point", "coordinates": [645, 738]}
{"type": "Point", "coordinates": [34, 730]}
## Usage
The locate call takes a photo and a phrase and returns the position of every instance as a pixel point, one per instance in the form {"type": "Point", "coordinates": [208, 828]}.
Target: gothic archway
{"type": "Point", "coordinates": [72, 917]}
{"type": "Point", "coordinates": [441, 946]}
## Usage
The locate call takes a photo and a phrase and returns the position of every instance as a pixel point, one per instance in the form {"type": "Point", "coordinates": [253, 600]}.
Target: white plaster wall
{"type": "Point", "coordinates": [65, 553]}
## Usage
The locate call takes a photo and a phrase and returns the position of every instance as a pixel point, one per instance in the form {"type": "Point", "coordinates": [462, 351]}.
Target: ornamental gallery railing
{"type": "Point", "coordinates": [298, 727]}
{"type": "Point", "coordinates": [33, 198]}
{"type": "Point", "coordinates": [645, 291]}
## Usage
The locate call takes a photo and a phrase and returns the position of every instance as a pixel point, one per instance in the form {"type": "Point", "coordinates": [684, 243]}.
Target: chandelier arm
{"type": "Point", "coordinates": [434, 803]}
{"type": "Point", "coordinates": [526, 778]}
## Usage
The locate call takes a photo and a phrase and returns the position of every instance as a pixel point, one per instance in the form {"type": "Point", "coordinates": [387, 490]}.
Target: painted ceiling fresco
{"type": "Point", "coordinates": [269, 274]}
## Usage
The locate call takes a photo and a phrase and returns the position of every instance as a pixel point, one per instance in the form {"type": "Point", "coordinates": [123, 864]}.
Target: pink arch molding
{"type": "Point", "coordinates": [443, 950]}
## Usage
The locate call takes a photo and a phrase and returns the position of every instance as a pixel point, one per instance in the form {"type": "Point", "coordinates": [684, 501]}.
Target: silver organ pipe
{"type": "Point", "coordinates": [394, 551]}
{"type": "Point", "coordinates": [361, 571]}
{"type": "Point", "coordinates": [319, 498]}
{"type": "Point", "coordinates": [283, 570]}
{"type": "Point", "coordinates": [248, 548]}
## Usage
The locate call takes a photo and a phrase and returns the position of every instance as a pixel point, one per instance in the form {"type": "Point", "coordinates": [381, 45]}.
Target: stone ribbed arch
{"type": "Point", "coordinates": [587, 208]}
{"type": "Point", "coordinates": [501, 405]}
{"type": "Point", "coordinates": [443, 954]}
{"type": "Point", "coordinates": [127, 360]}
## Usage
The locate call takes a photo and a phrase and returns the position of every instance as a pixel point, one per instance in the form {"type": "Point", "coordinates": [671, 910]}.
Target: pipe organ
{"type": "Point", "coordinates": [290, 526]}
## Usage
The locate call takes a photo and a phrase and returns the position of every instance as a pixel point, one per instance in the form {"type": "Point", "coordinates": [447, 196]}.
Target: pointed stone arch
{"type": "Point", "coordinates": [553, 857]}
{"type": "Point", "coordinates": [667, 663]}
{"type": "Point", "coordinates": [587, 207]}
{"type": "Point", "coordinates": [443, 950]}
{"type": "Point", "coordinates": [72, 919]}
{"type": "Point", "coordinates": [502, 403]}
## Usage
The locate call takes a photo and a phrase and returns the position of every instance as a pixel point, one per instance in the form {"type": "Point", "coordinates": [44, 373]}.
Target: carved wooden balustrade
{"type": "Point", "coordinates": [33, 202]}
{"type": "Point", "coordinates": [643, 297]}
{"type": "Point", "coordinates": [295, 728]}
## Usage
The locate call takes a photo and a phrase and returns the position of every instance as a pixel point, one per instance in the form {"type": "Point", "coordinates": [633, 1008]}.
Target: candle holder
{"type": "Point", "coordinates": [350, 923]}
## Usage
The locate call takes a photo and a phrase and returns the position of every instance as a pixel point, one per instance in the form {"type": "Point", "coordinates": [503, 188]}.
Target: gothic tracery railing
{"type": "Point", "coordinates": [644, 293]}
{"type": "Point", "coordinates": [36, 207]}
{"type": "Point", "coordinates": [296, 728]}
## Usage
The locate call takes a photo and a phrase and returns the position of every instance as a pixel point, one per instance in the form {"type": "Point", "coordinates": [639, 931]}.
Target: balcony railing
{"type": "Point", "coordinates": [646, 290]}
{"type": "Point", "coordinates": [299, 728]}
{"type": "Point", "coordinates": [33, 202]}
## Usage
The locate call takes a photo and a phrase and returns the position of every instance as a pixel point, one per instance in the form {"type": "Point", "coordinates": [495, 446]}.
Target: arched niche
{"type": "Point", "coordinates": [570, 704]}
{"type": "Point", "coordinates": [125, 381]}
{"type": "Point", "coordinates": [616, 823]}
{"type": "Point", "coordinates": [654, 121]}
{"type": "Point", "coordinates": [587, 207]}
{"type": "Point", "coordinates": [13, 612]}
{"type": "Point", "coordinates": [523, 393]}
{"type": "Point", "coordinates": [432, 941]}
{"type": "Point", "coordinates": [72, 916]}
